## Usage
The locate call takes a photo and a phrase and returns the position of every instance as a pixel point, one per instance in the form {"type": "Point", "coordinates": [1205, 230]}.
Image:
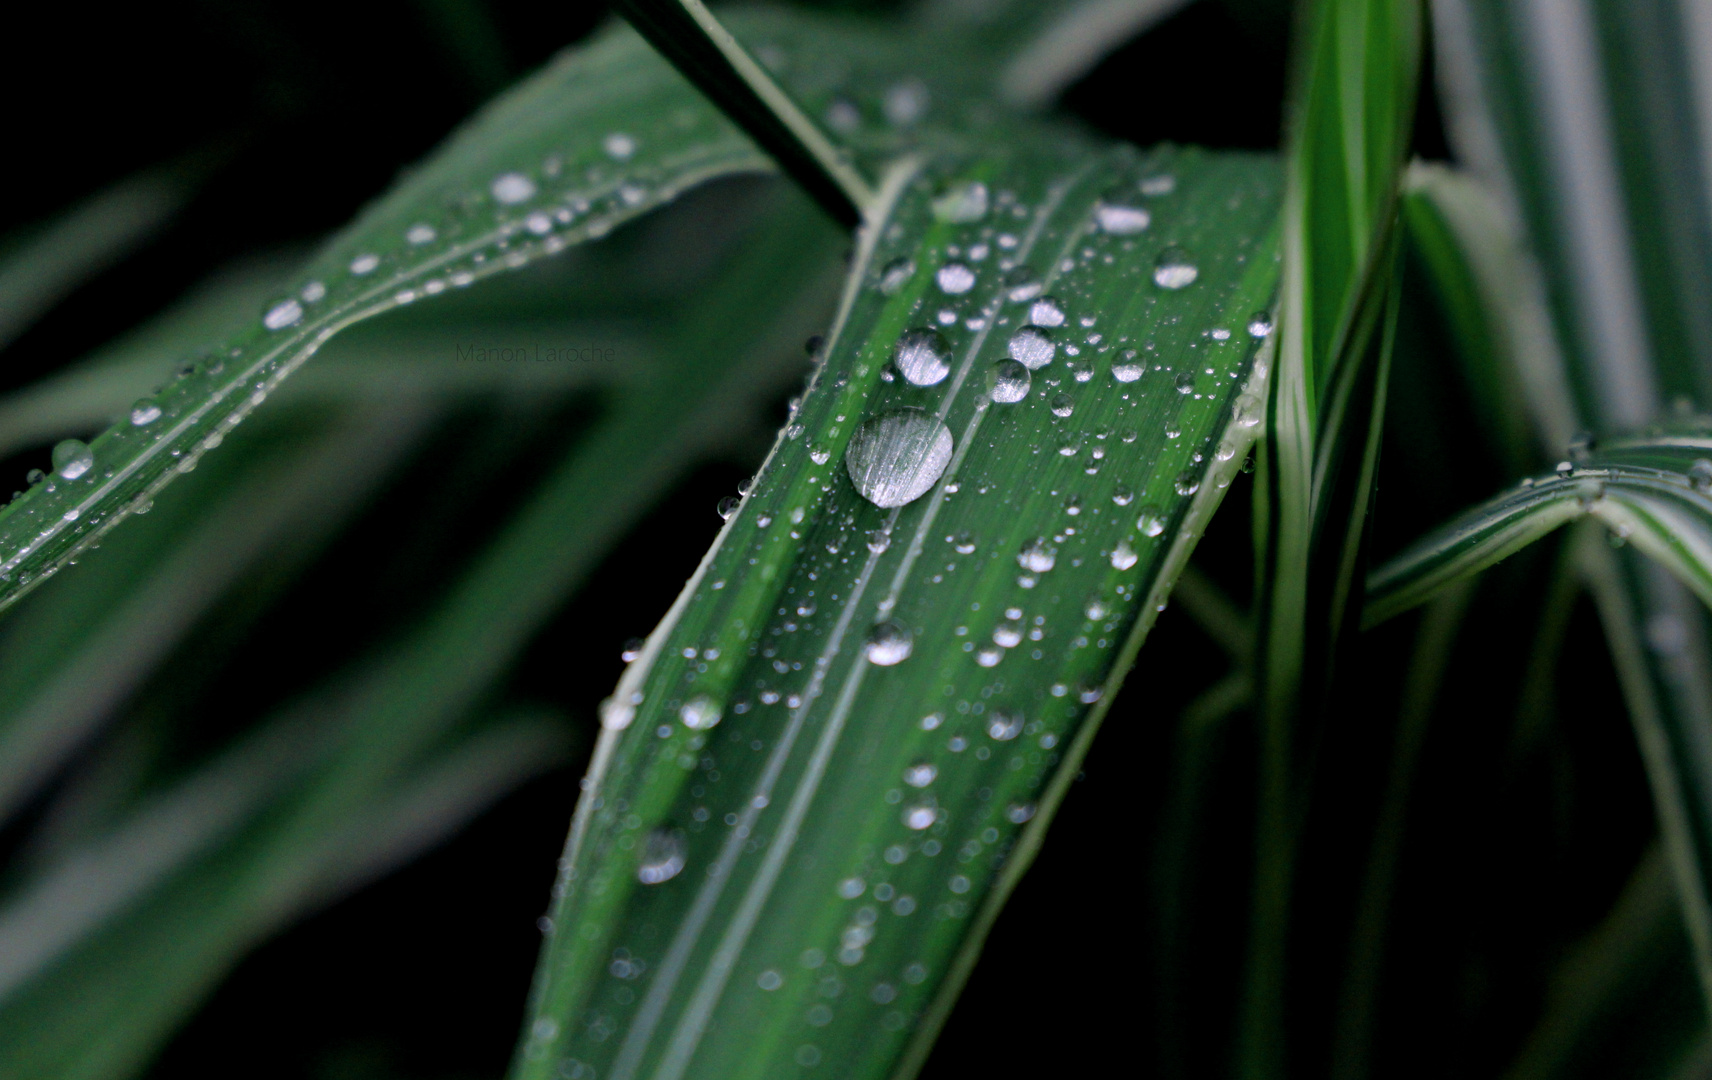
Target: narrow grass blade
{"type": "Point", "coordinates": [689, 35]}
{"type": "Point", "coordinates": [837, 752]}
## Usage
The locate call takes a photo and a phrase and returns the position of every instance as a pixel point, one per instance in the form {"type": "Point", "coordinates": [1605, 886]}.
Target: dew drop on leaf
{"type": "Point", "coordinates": [1123, 557]}
{"type": "Point", "coordinates": [922, 356]}
{"type": "Point", "coordinates": [1163, 184]}
{"type": "Point", "coordinates": [1046, 311]}
{"type": "Point", "coordinates": [72, 458]}
{"type": "Point", "coordinates": [895, 275]}
{"type": "Point", "coordinates": [1128, 366]}
{"type": "Point", "coordinates": [1037, 556]}
{"type": "Point", "coordinates": [962, 203]}
{"type": "Point", "coordinates": [1008, 382]}
{"type": "Point", "coordinates": [283, 314]}
{"type": "Point", "coordinates": [920, 817]}
{"type": "Point", "coordinates": [619, 146]}
{"type": "Point", "coordinates": [1187, 483]}
{"type": "Point", "coordinates": [1260, 324]}
{"type": "Point", "coordinates": [955, 278]}
{"type": "Point", "coordinates": [920, 774]}
{"type": "Point", "coordinates": [1022, 284]}
{"type": "Point", "coordinates": [144, 413]}
{"type": "Point", "coordinates": [1004, 726]}
{"type": "Point", "coordinates": [511, 188]}
{"type": "Point", "coordinates": [1174, 270]}
{"type": "Point", "coordinates": [1700, 475]}
{"type": "Point", "coordinates": [1063, 405]}
{"type": "Point", "coordinates": [894, 458]}
{"type": "Point", "coordinates": [1151, 522]}
{"type": "Point", "coordinates": [700, 712]}
{"type": "Point", "coordinates": [364, 264]}
{"type": "Point", "coordinates": [662, 857]}
{"type": "Point", "coordinates": [1032, 347]}
{"type": "Point", "coordinates": [728, 506]}
{"type": "Point", "coordinates": [889, 643]}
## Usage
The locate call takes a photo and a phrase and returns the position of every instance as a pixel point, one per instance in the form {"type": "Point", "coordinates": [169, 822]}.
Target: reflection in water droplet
{"type": "Point", "coordinates": [963, 203]}
{"type": "Point", "coordinates": [728, 506]}
{"type": "Point", "coordinates": [1174, 270]}
{"type": "Point", "coordinates": [283, 314]}
{"type": "Point", "coordinates": [1004, 726]}
{"type": "Point", "coordinates": [1246, 410]}
{"type": "Point", "coordinates": [955, 278]}
{"type": "Point", "coordinates": [894, 458]}
{"type": "Point", "coordinates": [700, 712]}
{"type": "Point", "coordinates": [662, 857]}
{"type": "Point", "coordinates": [72, 458]}
{"type": "Point", "coordinates": [511, 187]}
{"type": "Point", "coordinates": [1187, 483]}
{"type": "Point", "coordinates": [144, 413]}
{"type": "Point", "coordinates": [1128, 366]}
{"type": "Point", "coordinates": [1021, 284]}
{"type": "Point", "coordinates": [889, 643]}
{"type": "Point", "coordinates": [1186, 383]}
{"type": "Point", "coordinates": [1123, 557]}
{"type": "Point", "coordinates": [896, 275]}
{"type": "Point", "coordinates": [1063, 405]}
{"type": "Point", "coordinates": [1151, 522]}
{"type": "Point", "coordinates": [1046, 311]}
{"type": "Point", "coordinates": [1037, 556]}
{"type": "Point", "coordinates": [1008, 382]}
{"type": "Point", "coordinates": [922, 356]}
{"type": "Point", "coordinates": [1260, 324]}
{"type": "Point", "coordinates": [1032, 347]}
{"type": "Point", "coordinates": [1120, 220]}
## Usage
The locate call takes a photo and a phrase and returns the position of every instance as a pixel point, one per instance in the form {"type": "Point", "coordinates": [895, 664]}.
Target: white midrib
{"type": "Point", "coordinates": [686, 1036]}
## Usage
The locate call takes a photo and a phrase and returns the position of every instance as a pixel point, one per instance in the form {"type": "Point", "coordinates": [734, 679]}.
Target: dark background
{"type": "Point", "coordinates": [287, 117]}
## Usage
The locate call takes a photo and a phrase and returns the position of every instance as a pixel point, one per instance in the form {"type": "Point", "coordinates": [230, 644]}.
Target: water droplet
{"type": "Point", "coordinates": [312, 292]}
{"type": "Point", "coordinates": [962, 203]}
{"type": "Point", "coordinates": [1022, 284]}
{"type": "Point", "coordinates": [889, 643]}
{"type": "Point", "coordinates": [1260, 324]}
{"type": "Point", "coordinates": [963, 543]}
{"type": "Point", "coordinates": [1151, 522]}
{"type": "Point", "coordinates": [1017, 813]}
{"type": "Point", "coordinates": [1032, 347]}
{"type": "Point", "coordinates": [144, 413]}
{"type": "Point", "coordinates": [1046, 311]}
{"type": "Point", "coordinates": [1004, 726]}
{"type": "Point", "coordinates": [923, 356]}
{"type": "Point", "coordinates": [72, 458]}
{"type": "Point", "coordinates": [1128, 366]}
{"type": "Point", "coordinates": [512, 187]}
{"type": "Point", "coordinates": [1008, 382]}
{"type": "Point", "coordinates": [1123, 556]}
{"type": "Point", "coordinates": [1037, 556]}
{"type": "Point", "coordinates": [920, 774]}
{"type": "Point", "coordinates": [1153, 186]}
{"type": "Point", "coordinates": [1187, 483]}
{"type": "Point", "coordinates": [662, 857]}
{"type": "Point", "coordinates": [364, 264]}
{"type": "Point", "coordinates": [700, 712]}
{"type": "Point", "coordinates": [770, 980]}
{"type": "Point", "coordinates": [896, 275]}
{"type": "Point", "coordinates": [920, 817]}
{"type": "Point", "coordinates": [1700, 475]}
{"type": "Point", "coordinates": [1174, 270]}
{"type": "Point", "coordinates": [283, 314]}
{"type": "Point", "coordinates": [955, 278]}
{"type": "Point", "coordinates": [1096, 609]}
{"type": "Point", "coordinates": [422, 233]}
{"type": "Point", "coordinates": [728, 506]}
{"type": "Point", "coordinates": [1063, 405]}
{"type": "Point", "coordinates": [1123, 496]}
{"type": "Point", "coordinates": [1247, 410]}
{"type": "Point", "coordinates": [619, 146]}
{"type": "Point", "coordinates": [905, 102]}
{"type": "Point", "coordinates": [1008, 634]}
{"type": "Point", "coordinates": [894, 458]}
{"type": "Point", "coordinates": [1185, 383]}
{"type": "Point", "coordinates": [1120, 220]}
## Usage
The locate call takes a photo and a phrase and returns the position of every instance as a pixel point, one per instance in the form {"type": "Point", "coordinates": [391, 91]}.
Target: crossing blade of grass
{"type": "Point", "coordinates": [837, 752]}
{"type": "Point", "coordinates": [1350, 114]}
{"type": "Point", "coordinates": [100, 1010]}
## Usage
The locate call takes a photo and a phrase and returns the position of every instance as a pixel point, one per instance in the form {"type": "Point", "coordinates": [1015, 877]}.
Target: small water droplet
{"type": "Point", "coordinates": [619, 146]}
{"type": "Point", "coordinates": [1046, 311]}
{"type": "Point", "coordinates": [700, 712]}
{"type": "Point", "coordinates": [283, 314]}
{"type": "Point", "coordinates": [962, 203]}
{"type": "Point", "coordinates": [878, 541]}
{"type": "Point", "coordinates": [889, 643]}
{"type": "Point", "coordinates": [1032, 347]}
{"type": "Point", "coordinates": [421, 233]}
{"type": "Point", "coordinates": [1037, 556]}
{"type": "Point", "coordinates": [1162, 184]}
{"type": "Point", "coordinates": [364, 264]}
{"type": "Point", "coordinates": [1008, 382]}
{"type": "Point", "coordinates": [1260, 324]}
{"type": "Point", "coordinates": [1022, 284]}
{"type": "Point", "coordinates": [1120, 220]}
{"type": "Point", "coordinates": [905, 102]}
{"type": "Point", "coordinates": [1017, 813]}
{"type": "Point", "coordinates": [819, 455]}
{"type": "Point", "coordinates": [1700, 475]}
{"type": "Point", "coordinates": [1063, 405]}
{"type": "Point", "coordinates": [894, 458]}
{"type": "Point", "coordinates": [1123, 556]}
{"type": "Point", "coordinates": [920, 817]}
{"type": "Point", "coordinates": [1174, 270]}
{"type": "Point", "coordinates": [1187, 482]}
{"type": "Point", "coordinates": [144, 413]}
{"type": "Point", "coordinates": [1185, 383]}
{"type": "Point", "coordinates": [662, 857]}
{"type": "Point", "coordinates": [72, 458]}
{"type": "Point", "coordinates": [728, 506]}
{"type": "Point", "coordinates": [920, 774]}
{"type": "Point", "coordinates": [896, 275]}
{"type": "Point", "coordinates": [511, 188]}
{"type": "Point", "coordinates": [1151, 522]}
{"type": "Point", "coordinates": [922, 356]}
{"type": "Point", "coordinates": [955, 278]}
{"type": "Point", "coordinates": [1008, 634]}
{"type": "Point", "coordinates": [963, 543]}
{"type": "Point", "coordinates": [1128, 366]}
{"type": "Point", "coordinates": [1004, 725]}
{"type": "Point", "coordinates": [1247, 410]}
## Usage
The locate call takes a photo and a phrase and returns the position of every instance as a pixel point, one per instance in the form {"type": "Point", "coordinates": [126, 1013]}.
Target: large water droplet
{"type": "Point", "coordinates": [1174, 270]}
{"type": "Point", "coordinates": [1008, 382]}
{"type": "Point", "coordinates": [662, 857]}
{"type": "Point", "coordinates": [1037, 556]}
{"type": "Point", "coordinates": [923, 356]}
{"type": "Point", "coordinates": [700, 712]}
{"type": "Point", "coordinates": [889, 643]}
{"type": "Point", "coordinates": [1032, 347]}
{"type": "Point", "coordinates": [955, 278]}
{"type": "Point", "coordinates": [512, 187]}
{"type": "Point", "coordinates": [894, 458]}
{"type": "Point", "coordinates": [1128, 366]}
{"type": "Point", "coordinates": [72, 458]}
{"type": "Point", "coordinates": [962, 203]}
{"type": "Point", "coordinates": [1120, 220]}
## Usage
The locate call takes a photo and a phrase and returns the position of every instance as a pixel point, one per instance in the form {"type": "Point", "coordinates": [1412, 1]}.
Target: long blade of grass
{"type": "Point", "coordinates": [839, 749]}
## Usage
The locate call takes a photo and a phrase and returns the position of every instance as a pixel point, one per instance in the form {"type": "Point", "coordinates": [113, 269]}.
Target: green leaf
{"type": "Point", "coordinates": [840, 748]}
